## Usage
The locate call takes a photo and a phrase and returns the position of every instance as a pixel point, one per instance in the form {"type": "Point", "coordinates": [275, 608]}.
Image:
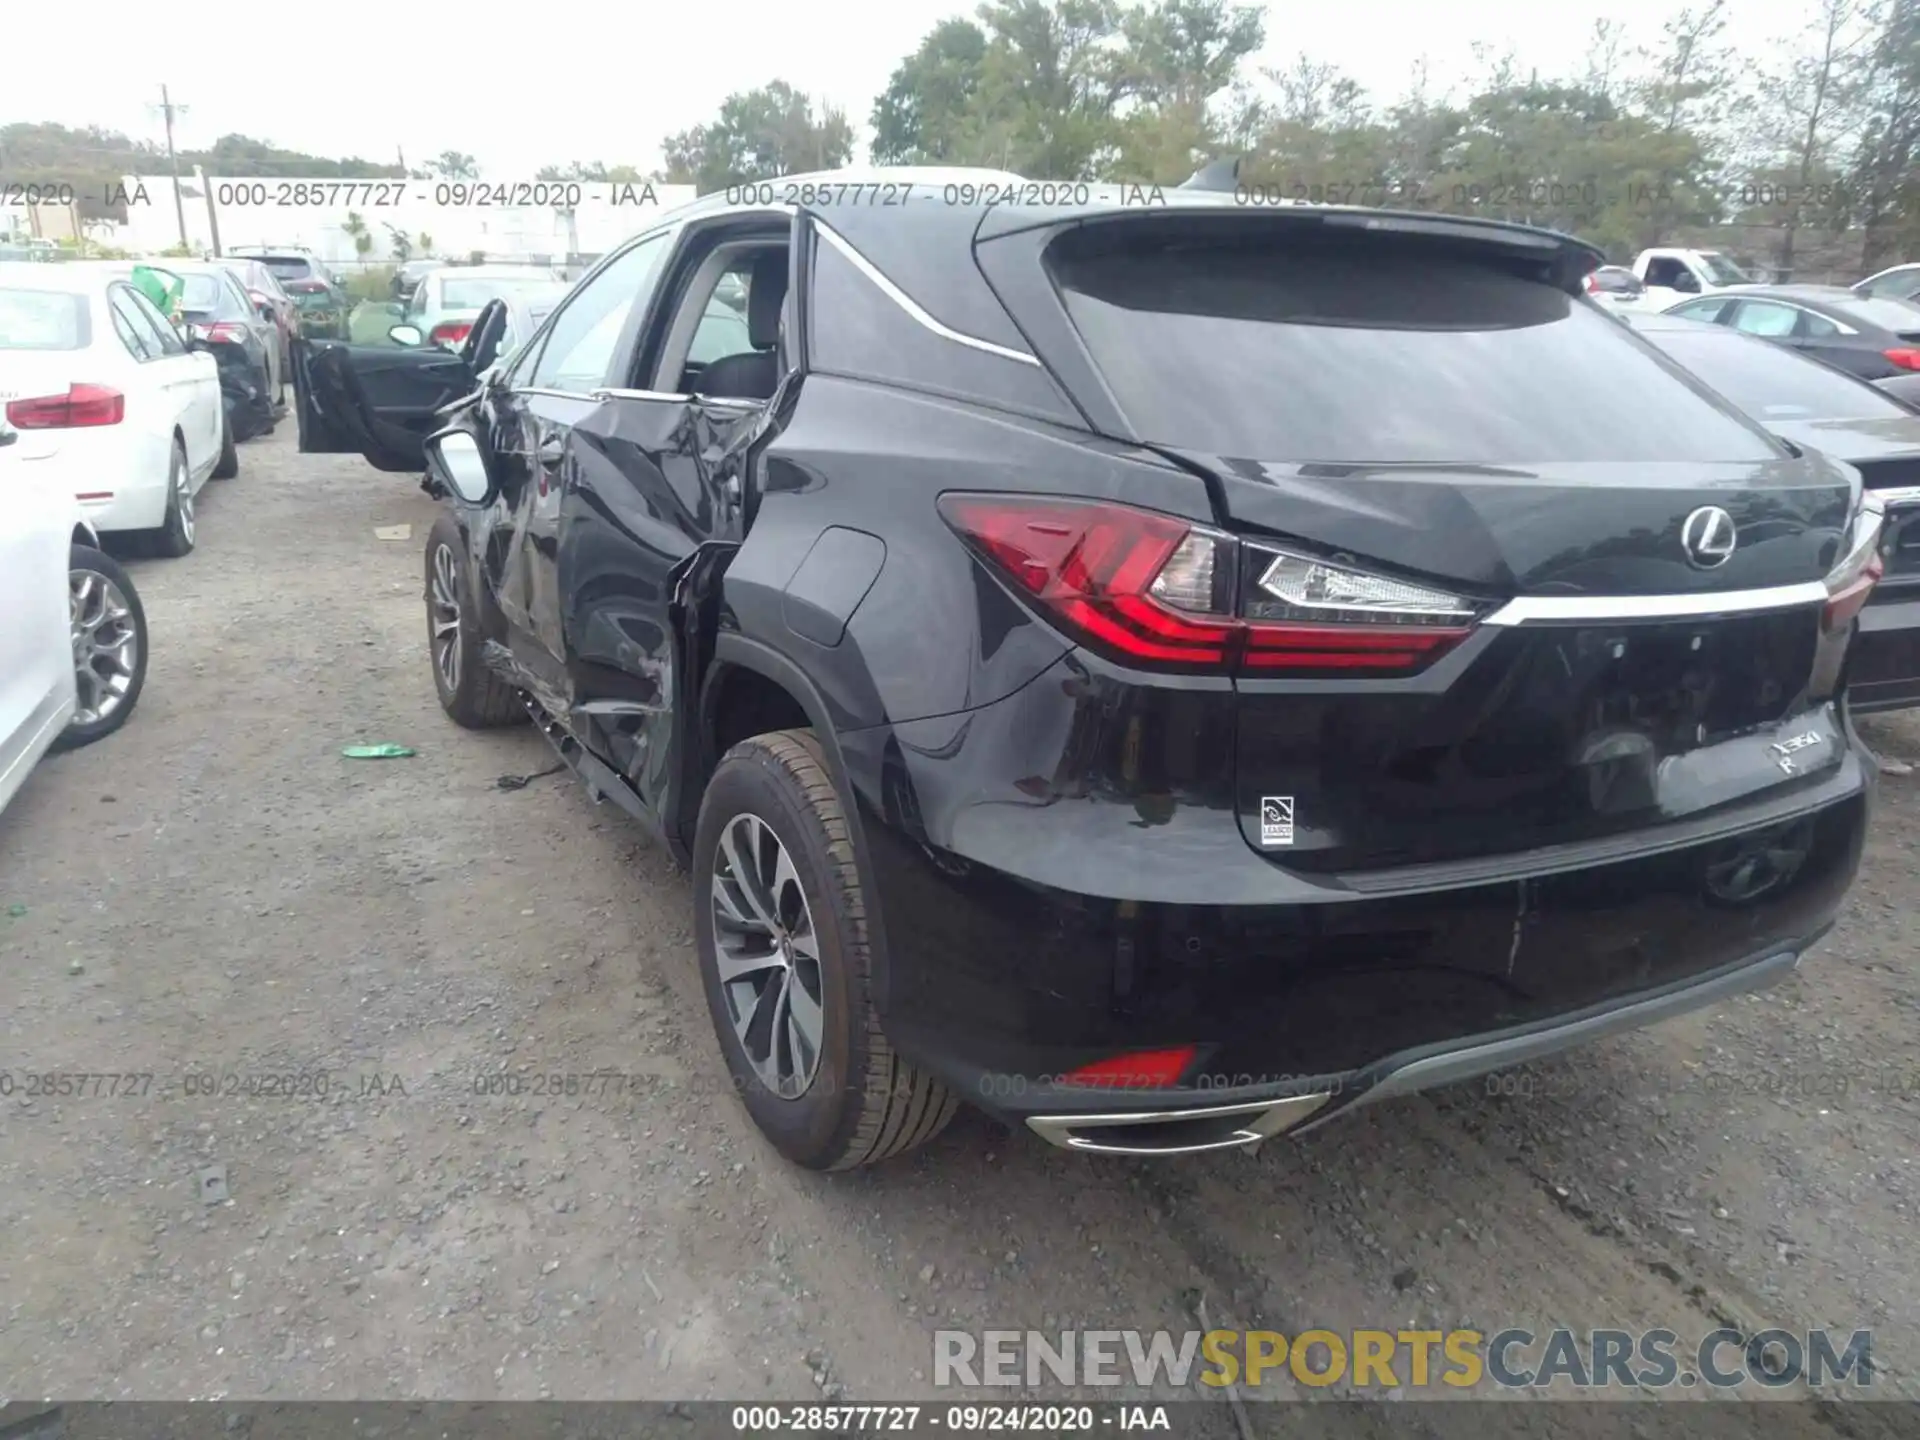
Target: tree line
{"type": "Point", "coordinates": [1805, 159]}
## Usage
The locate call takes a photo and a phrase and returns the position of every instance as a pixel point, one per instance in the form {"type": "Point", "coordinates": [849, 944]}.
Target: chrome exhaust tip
{"type": "Point", "coordinates": [1178, 1132]}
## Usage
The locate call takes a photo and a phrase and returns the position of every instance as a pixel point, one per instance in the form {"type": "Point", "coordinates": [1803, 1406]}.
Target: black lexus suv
{"type": "Point", "coordinates": [1161, 670]}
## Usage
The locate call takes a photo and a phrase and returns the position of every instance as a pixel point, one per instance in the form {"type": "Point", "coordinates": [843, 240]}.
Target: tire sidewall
{"type": "Point", "coordinates": [814, 1128]}
{"type": "Point", "coordinates": [174, 537]}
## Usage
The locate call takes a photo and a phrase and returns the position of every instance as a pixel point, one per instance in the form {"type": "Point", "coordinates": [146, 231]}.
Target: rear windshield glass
{"type": "Point", "coordinates": [289, 268]}
{"type": "Point", "coordinates": [1884, 312]}
{"type": "Point", "coordinates": [1612, 278]}
{"type": "Point", "coordinates": [472, 294]}
{"type": "Point", "coordinates": [1771, 383]}
{"type": "Point", "coordinates": [43, 320]}
{"type": "Point", "coordinates": [1372, 351]}
{"type": "Point", "coordinates": [204, 292]}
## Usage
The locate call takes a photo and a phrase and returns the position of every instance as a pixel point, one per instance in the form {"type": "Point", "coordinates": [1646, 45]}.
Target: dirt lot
{"type": "Point", "coordinates": [216, 892]}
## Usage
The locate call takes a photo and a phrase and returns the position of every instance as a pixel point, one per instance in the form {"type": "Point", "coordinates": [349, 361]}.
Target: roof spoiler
{"type": "Point", "coordinates": [1222, 174]}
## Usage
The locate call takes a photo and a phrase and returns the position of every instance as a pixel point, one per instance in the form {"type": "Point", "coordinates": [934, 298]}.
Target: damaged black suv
{"type": "Point", "coordinates": [1164, 673]}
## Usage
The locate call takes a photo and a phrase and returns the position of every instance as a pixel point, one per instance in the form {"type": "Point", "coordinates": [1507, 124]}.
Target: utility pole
{"type": "Point", "coordinates": [167, 107]}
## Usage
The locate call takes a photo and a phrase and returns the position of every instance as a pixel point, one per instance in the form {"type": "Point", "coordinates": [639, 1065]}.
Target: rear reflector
{"type": "Point", "coordinates": [81, 406]}
{"type": "Point", "coordinates": [1141, 1070]}
{"type": "Point", "coordinates": [1154, 590]}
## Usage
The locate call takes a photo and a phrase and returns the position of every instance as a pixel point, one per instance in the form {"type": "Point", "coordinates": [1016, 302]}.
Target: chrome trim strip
{"type": "Point", "coordinates": [1898, 495]}
{"type": "Point", "coordinates": [614, 392]}
{"type": "Point", "coordinates": [1271, 1117]}
{"type": "Point", "coordinates": [1527, 609]}
{"type": "Point", "coordinates": [906, 302]}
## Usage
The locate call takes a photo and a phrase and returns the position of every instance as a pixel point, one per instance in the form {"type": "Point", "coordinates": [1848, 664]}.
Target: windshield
{"type": "Point", "coordinates": [471, 294]}
{"type": "Point", "coordinates": [1772, 383]}
{"type": "Point", "coordinates": [1722, 271]}
{"type": "Point", "coordinates": [43, 320]}
{"type": "Point", "coordinates": [1378, 351]}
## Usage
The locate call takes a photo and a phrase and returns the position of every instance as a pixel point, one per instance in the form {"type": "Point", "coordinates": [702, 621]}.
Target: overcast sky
{"type": "Point", "coordinates": [523, 86]}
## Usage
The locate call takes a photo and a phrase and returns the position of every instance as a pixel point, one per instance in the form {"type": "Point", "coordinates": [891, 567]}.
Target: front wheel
{"type": "Point", "coordinates": [470, 693]}
{"type": "Point", "coordinates": [786, 958]}
{"type": "Point", "coordinates": [109, 631]}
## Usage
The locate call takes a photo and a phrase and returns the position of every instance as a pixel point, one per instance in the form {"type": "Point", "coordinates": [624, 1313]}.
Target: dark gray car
{"type": "Point", "coordinates": [1873, 337]}
{"type": "Point", "coordinates": [1819, 407]}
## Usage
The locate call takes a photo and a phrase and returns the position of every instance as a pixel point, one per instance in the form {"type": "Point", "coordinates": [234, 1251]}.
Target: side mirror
{"type": "Point", "coordinates": [455, 460]}
{"type": "Point", "coordinates": [7, 435]}
{"type": "Point", "coordinates": [406, 335]}
{"type": "Point", "coordinates": [265, 310]}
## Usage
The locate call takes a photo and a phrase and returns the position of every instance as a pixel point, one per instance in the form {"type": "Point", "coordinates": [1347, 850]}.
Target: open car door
{"type": "Point", "coordinates": [384, 400]}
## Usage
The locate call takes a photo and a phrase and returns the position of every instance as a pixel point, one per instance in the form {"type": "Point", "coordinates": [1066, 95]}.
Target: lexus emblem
{"type": "Point", "coordinates": [1708, 537]}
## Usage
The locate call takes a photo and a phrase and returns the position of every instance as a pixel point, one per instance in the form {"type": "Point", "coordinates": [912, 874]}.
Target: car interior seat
{"type": "Point", "coordinates": [752, 374]}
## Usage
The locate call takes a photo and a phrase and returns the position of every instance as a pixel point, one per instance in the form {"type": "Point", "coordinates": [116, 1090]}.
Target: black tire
{"type": "Point", "coordinates": [475, 697]}
{"type": "Point", "coordinates": [84, 560]}
{"type": "Point", "coordinates": [177, 532]}
{"type": "Point", "coordinates": [864, 1103]}
{"type": "Point", "coordinates": [228, 464]}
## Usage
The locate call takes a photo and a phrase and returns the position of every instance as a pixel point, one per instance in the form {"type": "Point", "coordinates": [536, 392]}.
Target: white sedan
{"type": "Point", "coordinates": [73, 653]}
{"type": "Point", "coordinates": [110, 402]}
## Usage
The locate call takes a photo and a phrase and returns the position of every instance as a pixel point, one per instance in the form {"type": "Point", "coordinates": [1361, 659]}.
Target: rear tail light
{"type": "Point", "coordinates": [1140, 1070]}
{"type": "Point", "coordinates": [1593, 284]}
{"type": "Point", "coordinates": [453, 332]}
{"type": "Point", "coordinates": [1152, 589]}
{"type": "Point", "coordinates": [81, 406]}
{"type": "Point", "coordinates": [1852, 579]}
{"type": "Point", "coordinates": [220, 332]}
{"type": "Point", "coordinates": [1905, 359]}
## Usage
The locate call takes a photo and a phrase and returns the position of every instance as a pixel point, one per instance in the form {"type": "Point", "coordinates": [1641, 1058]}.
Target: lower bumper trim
{"type": "Point", "coordinates": [1177, 1132]}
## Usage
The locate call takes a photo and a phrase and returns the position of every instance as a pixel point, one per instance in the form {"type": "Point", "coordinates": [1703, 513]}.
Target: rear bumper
{"type": "Point", "coordinates": [116, 486]}
{"type": "Point", "coordinates": [1168, 1122]}
{"type": "Point", "coordinates": [1012, 962]}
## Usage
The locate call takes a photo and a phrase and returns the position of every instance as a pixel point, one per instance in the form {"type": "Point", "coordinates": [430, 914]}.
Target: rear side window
{"type": "Point", "coordinates": [1373, 351]}
{"type": "Point", "coordinates": [1888, 314]}
{"type": "Point", "coordinates": [1773, 383]}
{"type": "Point", "coordinates": [43, 320]}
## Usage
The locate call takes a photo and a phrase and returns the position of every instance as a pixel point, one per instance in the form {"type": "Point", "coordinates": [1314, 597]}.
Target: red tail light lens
{"type": "Point", "coordinates": [453, 332]}
{"type": "Point", "coordinates": [1141, 1070]}
{"type": "Point", "coordinates": [220, 332]}
{"type": "Point", "coordinates": [80, 407]}
{"type": "Point", "coordinates": [1152, 589]}
{"type": "Point", "coordinates": [1905, 359]}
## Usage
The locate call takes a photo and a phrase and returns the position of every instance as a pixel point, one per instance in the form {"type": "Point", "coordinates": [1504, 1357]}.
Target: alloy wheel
{"type": "Point", "coordinates": [183, 500]}
{"type": "Point", "coordinates": [443, 616]}
{"type": "Point", "coordinates": [106, 645]}
{"type": "Point", "coordinates": [768, 955]}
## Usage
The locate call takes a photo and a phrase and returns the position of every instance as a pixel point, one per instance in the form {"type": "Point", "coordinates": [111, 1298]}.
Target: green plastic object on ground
{"type": "Point", "coordinates": [377, 752]}
{"type": "Point", "coordinates": [162, 287]}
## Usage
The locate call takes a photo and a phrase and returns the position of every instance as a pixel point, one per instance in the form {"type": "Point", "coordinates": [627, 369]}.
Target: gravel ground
{"type": "Point", "coordinates": [216, 892]}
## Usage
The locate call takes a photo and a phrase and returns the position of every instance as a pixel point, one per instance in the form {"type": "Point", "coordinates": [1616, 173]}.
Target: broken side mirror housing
{"type": "Point", "coordinates": [456, 461]}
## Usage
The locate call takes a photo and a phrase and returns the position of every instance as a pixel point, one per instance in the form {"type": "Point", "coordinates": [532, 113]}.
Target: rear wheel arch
{"type": "Point", "coordinates": [751, 689]}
